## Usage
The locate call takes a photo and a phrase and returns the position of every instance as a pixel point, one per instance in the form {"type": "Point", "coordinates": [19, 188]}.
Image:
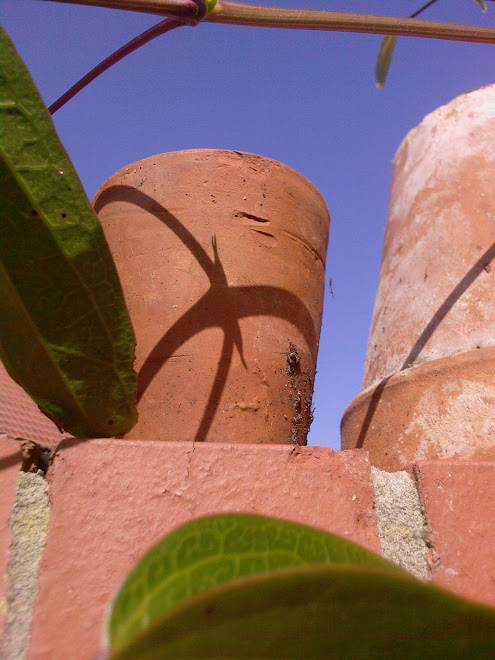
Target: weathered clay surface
{"type": "Point", "coordinates": [221, 257]}
{"type": "Point", "coordinates": [444, 409]}
{"type": "Point", "coordinates": [429, 379]}
{"type": "Point", "coordinates": [459, 500]}
{"type": "Point", "coordinates": [437, 286]}
{"type": "Point", "coordinates": [112, 499]}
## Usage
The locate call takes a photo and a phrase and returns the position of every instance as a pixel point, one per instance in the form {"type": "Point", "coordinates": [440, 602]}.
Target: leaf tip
{"type": "Point", "coordinates": [384, 59]}
{"type": "Point", "coordinates": [482, 4]}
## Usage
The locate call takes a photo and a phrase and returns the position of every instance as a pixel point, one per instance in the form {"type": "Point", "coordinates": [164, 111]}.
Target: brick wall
{"type": "Point", "coordinates": [110, 500]}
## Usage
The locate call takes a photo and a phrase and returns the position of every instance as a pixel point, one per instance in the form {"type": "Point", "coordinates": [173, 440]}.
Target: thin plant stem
{"type": "Point", "coordinates": [422, 9]}
{"type": "Point", "coordinates": [155, 31]}
{"type": "Point", "coordinates": [237, 13]}
{"type": "Point", "coordinates": [224, 11]}
{"type": "Point", "coordinates": [193, 12]}
{"type": "Point", "coordinates": [187, 10]}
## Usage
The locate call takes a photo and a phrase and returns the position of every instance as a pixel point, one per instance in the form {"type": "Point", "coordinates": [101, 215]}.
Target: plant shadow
{"type": "Point", "coordinates": [237, 302]}
{"type": "Point", "coordinates": [468, 279]}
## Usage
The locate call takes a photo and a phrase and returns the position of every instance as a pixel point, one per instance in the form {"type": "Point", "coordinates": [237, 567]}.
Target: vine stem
{"type": "Point", "coordinates": [155, 31]}
{"type": "Point", "coordinates": [255, 15]}
{"type": "Point", "coordinates": [236, 13]}
{"type": "Point", "coordinates": [183, 9]}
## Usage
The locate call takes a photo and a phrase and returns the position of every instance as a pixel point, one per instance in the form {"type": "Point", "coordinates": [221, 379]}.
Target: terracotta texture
{"type": "Point", "coordinates": [435, 298]}
{"type": "Point", "coordinates": [221, 256]}
{"type": "Point", "coordinates": [20, 417]}
{"type": "Point", "coordinates": [458, 499]}
{"type": "Point", "coordinates": [441, 409]}
{"type": "Point", "coordinates": [112, 499]}
{"type": "Point", "coordinates": [10, 463]}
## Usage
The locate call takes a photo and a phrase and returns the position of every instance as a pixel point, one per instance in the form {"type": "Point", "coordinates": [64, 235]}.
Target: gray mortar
{"type": "Point", "coordinates": [29, 525]}
{"type": "Point", "coordinates": [401, 525]}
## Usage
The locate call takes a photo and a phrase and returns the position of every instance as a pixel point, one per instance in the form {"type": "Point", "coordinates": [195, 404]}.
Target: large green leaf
{"type": "Point", "coordinates": [217, 549]}
{"type": "Point", "coordinates": [65, 333]}
{"type": "Point", "coordinates": [321, 612]}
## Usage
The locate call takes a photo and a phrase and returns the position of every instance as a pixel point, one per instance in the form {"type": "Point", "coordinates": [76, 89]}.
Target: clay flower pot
{"type": "Point", "coordinates": [221, 255]}
{"type": "Point", "coordinates": [429, 381]}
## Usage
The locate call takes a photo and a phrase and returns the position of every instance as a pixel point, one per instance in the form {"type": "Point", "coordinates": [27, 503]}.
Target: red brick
{"type": "Point", "coordinates": [10, 462]}
{"type": "Point", "coordinates": [20, 417]}
{"type": "Point", "coordinates": [112, 499]}
{"type": "Point", "coordinates": [459, 502]}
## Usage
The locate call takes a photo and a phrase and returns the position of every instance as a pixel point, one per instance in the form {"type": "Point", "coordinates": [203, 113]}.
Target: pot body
{"type": "Point", "coordinates": [221, 257]}
{"type": "Point", "coordinates": [429, 380]}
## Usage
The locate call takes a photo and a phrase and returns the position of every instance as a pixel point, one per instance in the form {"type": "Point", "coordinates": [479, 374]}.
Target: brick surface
{"type": "Point", "coordinates": [10, 462]}
{"type": "Point", "coordinates": [20, 417]}
{"type": "Point", "coordinates": [458, 499]}
{"type": "Point", "coordinates": [112, 499]}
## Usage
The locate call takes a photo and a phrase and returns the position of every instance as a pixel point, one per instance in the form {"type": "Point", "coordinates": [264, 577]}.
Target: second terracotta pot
{"type": "Point", "coordinates": [429, 380]}
{"type": "Point", "coordinates": [221, 256]}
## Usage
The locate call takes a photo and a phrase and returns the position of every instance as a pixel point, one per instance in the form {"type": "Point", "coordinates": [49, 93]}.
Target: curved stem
{"type": "Point", "coordinates": [155, 31]}
{"type": "Point", "coordinates": [422, 9]}
{"type": "Point", "coordinates": [193, 12]}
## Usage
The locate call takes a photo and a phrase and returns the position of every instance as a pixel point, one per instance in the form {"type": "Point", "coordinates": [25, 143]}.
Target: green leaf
{"type": "Point", "coordinates": [321, 612]}
{"type": "Point", "coordinates": [384, 59]}
{"type": "Point", "coordinates": [65, 333]}
{"type": "Point", "coordinates": [217, 549]}
{"type": "Point", "coordinates": [482, 4]}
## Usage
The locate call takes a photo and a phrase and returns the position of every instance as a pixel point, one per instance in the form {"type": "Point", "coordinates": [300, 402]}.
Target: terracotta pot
{"type": "Point", "coordinates": [221, 255]}
{"type": "Point", "coordinates": [429, 381]}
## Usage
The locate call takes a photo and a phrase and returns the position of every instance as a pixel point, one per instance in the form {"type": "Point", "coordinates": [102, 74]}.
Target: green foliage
{"type": "Point", "coordinates": [65, 333]}
{"type": "Point", "coordinates": [388, 42]}
{"type": "Point", "coordinates": [482, 4]}
{"type": "Point", "coordinates": [217, 549]}
{"type": "Point", "coordinates": [242, 586]}
{"type": "Point", "coordinates": [384, 60]}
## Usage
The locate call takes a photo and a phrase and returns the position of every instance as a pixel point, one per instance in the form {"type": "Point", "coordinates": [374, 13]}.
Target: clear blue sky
{"type": "Point", "coordinates": [307, 99]}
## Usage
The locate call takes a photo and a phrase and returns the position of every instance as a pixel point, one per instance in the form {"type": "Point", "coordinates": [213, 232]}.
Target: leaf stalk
{"type": "Point", "coordinates": [236, 13]}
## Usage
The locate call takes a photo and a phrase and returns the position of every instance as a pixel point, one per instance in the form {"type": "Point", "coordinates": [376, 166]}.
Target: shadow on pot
{"type": "Point", "coordinates": [221, 306]}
